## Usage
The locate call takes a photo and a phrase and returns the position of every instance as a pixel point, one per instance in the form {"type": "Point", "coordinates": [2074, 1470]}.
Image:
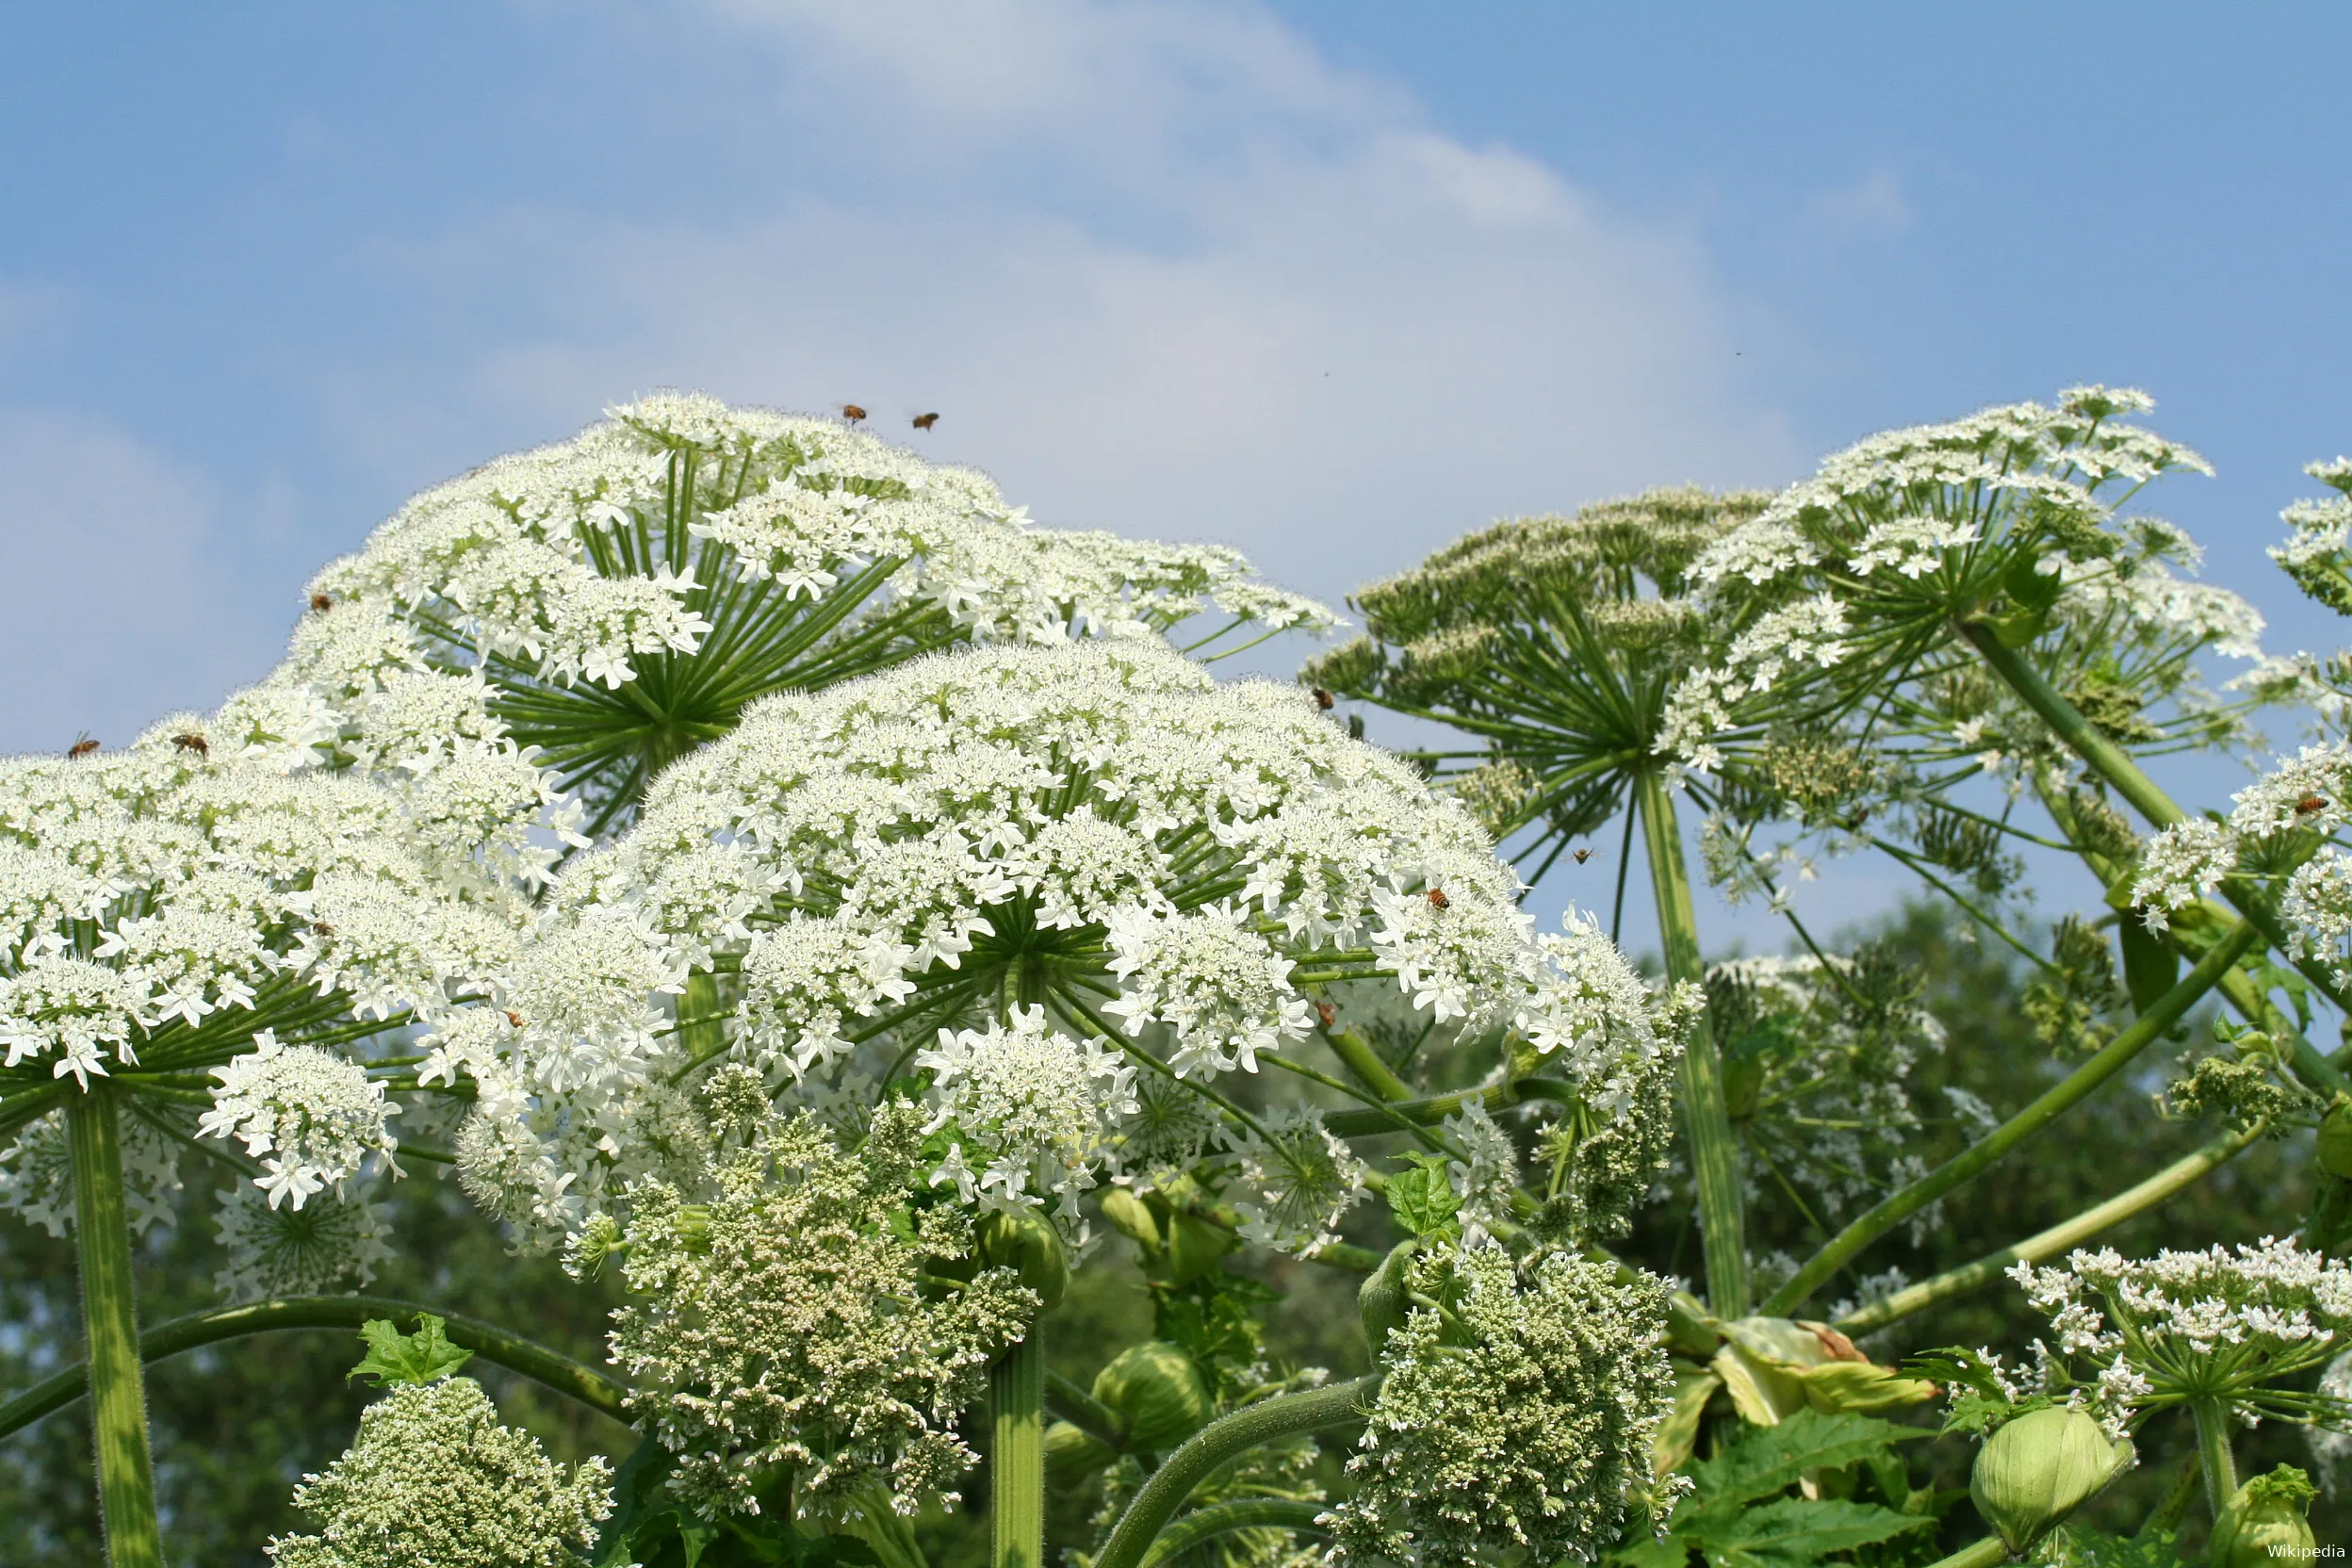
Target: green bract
{"type": "Point", "coordinates": [2039, 1468]}
{"type": "Point", "coordinates": [2264, 1521]}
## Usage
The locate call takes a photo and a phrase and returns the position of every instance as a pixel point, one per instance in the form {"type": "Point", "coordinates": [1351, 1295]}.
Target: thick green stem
{"type": "Point", "coordinates": [1705, 1114]}
{"type": "Point", "coordinates": [2058, 1238]}
{"type": "Point", "coordinates": [2060, 1097]}
{"type": "Point", "coordinates": [1985, 1554]}
{"type": "Point", "coordinates": [487, 1340]}
{"type": "Point", "coordinates": [1220, 1441]}
{"type": "Point", "coordinates": [118, 1406]}
{"type": "Point", "coordinates": [1250, 1514]}
{"type": "Point", "coordinates": [1373, 1073]}
{"type": "Point", "coordinates": [2213, 1453]}
{"type": "Point", "coordinates": [1017, 1455]}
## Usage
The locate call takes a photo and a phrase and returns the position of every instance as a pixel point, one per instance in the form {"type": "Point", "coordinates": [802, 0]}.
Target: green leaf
{"type": "Point", "coordinates": [1650, 1552]}
{"type": "Point", "coordinates": [1770, 1460]}
{"type": "Point", "coordinates": [1797, 1530]}
{"type": "Point", "coordinates": [424, 1357]}
{"type": "Point", "coordinates": [1422, 1198]}
{"type": "Point", "coordinates": [2034, 590]}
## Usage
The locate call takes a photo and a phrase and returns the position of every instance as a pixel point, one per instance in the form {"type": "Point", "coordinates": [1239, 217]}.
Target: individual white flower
{"type": "Point", "coordinates": [1912, 546]}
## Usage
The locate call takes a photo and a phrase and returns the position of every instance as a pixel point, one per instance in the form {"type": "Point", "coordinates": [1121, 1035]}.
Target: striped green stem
{"type": "Point", "coordinates": [1986, 1553]}
{"type": "Point", "coordinates": [118, 1406]}
{"type": "Point", "coordinates": [2183, 1172]}
{"type": "Point", "coordinates": [1705, 1113]}
{"type": "Point", "coordinates": [1990, 1150]}
{"type": "Point", "coordinates": [1017, 1455]}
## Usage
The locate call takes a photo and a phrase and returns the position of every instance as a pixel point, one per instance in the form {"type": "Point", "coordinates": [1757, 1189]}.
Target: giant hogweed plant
{"type": "Point", "coordinates": [1952, 644]}
{"type": "Point", "coordinates": [915, 943]}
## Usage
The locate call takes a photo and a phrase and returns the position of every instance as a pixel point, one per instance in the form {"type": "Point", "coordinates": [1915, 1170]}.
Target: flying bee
{"type": "Point", "coordinates": [83, 745]}
{"type": "Point", "coordinates": [1324, 699]}
{"type": "Point", "coordinates": [320, 928]}
{"type": "Point", "coordinates": [2309, 803]}
{"type": "Point", "coordinates": [513, 1017]}
{"type": "Point", "coordinates": [1438, 899]}
{"type": "Point", "coordinates": [1328, 1014]}
{"type": "Point", "coordinates": [321, 601]}
{"type": "Point", "coordinates": [852, 413]}
{"type": "Point", "coordinates": [195, 743]}
{"type": "Point", "coordinates": [1582, 856]}
{"type": "Point", "coordinates": [924, 421]}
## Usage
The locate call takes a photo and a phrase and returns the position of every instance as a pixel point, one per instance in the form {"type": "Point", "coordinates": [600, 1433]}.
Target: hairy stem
{"type": "Point", "coordinates": [1216, 1443]}
{"type": "Point", "coordinates": [1017, 1457]}
{"type": "Point", "coordinates": [2213, 1453]}
{"type": "Point", "coordinates": [1705, 1114]}
{"type": "Point", "coordinates": [1995, 1145]}
{"type": "Point", "coordinates": [1250, 1514]}
{"type": "Point", "coordinates": [493, 1344]}
{"type": "Point", "coordinates": [2183, 1172]}
{"type": "Point", "coordinates": [1985, 1554]}
{"type": "Point", "coordinates": [118, 1406]}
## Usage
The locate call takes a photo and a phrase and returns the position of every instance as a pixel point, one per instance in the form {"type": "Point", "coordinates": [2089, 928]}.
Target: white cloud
{"type": "Point", "coordinates": [120, 607]}
{"type": "Point", "coordinates": [1871, 206]}
{"type": "Point", "coordinates": [1159, 267]}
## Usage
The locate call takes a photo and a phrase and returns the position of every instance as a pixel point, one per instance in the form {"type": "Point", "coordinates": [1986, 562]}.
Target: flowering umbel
{"type": "Point", "coordinates": [1043, 875]}
{"type": "Point", "coordinates": [625, 593]}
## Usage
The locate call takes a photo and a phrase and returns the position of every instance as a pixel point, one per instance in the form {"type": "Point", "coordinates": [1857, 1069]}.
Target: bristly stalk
{"type": "Point", "coordinates": [1017, 1455]}
{"type": "Point", "coordinates": [2213, 1452]}
{"type": "Point", "coordinates": [1705, 1113]}
{"type": "Point", "coordinates": [118, 1404]}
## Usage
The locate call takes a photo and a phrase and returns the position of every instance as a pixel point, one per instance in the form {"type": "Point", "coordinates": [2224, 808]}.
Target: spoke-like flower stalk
{"type": "Point", "coordinates": [118, 1392]}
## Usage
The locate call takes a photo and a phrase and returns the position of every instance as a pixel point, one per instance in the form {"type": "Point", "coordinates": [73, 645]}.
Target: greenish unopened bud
{"type": "Point", "coordinates": [2334, 1144]}
{"type": "Point", "coordinates": [1132, 1217]}
{"type": "Point", "coordinates": [1380, 1300]}
{"type": "Point", "coordinates": [2041, 1467]}
{"type": "Point", "coordinates": [1072, 1452]}
{"type": "Point", "coordinates": [1159, 1392]}
{"type": "Point", "coordinates": [1028, 1244]}
{"type": "Point", "coordinates": [2262, 1521]}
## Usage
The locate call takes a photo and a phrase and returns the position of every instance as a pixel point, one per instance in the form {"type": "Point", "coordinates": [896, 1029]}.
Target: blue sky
{"type": "Point", "coordinates": [1334, 282]}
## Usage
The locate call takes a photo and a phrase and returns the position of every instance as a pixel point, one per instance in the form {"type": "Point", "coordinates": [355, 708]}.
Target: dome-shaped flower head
{"type": "Point", "coordinates": [183, 907]}
{"type": "Point", "coordinates": [1038, 876]}
{"type": "Point", "coordinates": [626, 593]}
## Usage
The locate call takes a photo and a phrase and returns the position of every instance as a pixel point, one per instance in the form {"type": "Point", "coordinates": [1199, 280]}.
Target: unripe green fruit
{"type": "Point", "coordinates": [2039, 1468]}
{"type": "Point", "coordinates": [1131, 1216]}
{"type": "Point", "coordinates": [2264, 1521]}
{"type": "Point", "coordinates": [1380, 1300]}
{"type": "Point", "coordinates": [2334, 1144]}
{"type": "Point", "coordinates": [1158, 1391]}
{"type": "Point", "coordinates": [1028, 1244]}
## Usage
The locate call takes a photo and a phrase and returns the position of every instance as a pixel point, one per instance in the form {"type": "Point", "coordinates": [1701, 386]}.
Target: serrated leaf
{"type": "Point", "coordinates": [2076, 1547]}
{"type": "Point", "coordinates": [1423, 1200]}
{"type": "Point", "coordinates": [1770, 1460]}
{"type": "Point", "coordinates": [1650, 1552]}
{"type": "Point", "coordinates": [2150, 965]}
{"type": "Point", "coordinates": [424, 1357]}
{"type": "Point", "coordinates": [1797, 1530]}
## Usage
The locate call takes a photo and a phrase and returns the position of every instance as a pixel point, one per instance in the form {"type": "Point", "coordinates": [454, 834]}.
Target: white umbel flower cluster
{"type": "Point", "coordinates": [313, 1118]}
{"type": "Point", "coordinates": [625, 594]}
{"type": "Point", "coordinates": [1065, 867]}
{"type": "Point", "coordinates": [1866, 564]}
{"type": "Point", "coordinates": [2243, 1324]}
{"type": "Point", "coordinates": [2309, 792]}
